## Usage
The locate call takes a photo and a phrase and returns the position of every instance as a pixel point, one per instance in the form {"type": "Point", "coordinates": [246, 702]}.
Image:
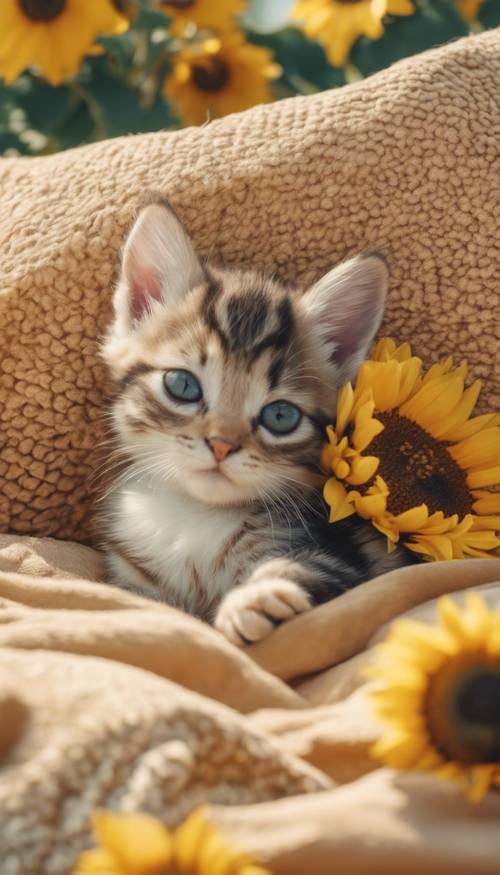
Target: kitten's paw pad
{"type": "Point", "coordinates": [250, 612]}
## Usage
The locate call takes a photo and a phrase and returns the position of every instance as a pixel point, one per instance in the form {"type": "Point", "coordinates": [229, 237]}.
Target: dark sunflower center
{"type": "Point", "coordinates": [418, 469]}
{"type": "Point", "coordinates": [213, 75]}
{"type": "Point", "coordinates": [42, 10]}
{"type": "Point", "coordinates": [179, 4]}
{"type": "Point", "coordinates": [463, 710]}
{"type": "Point", "coordinates": [479, 700]}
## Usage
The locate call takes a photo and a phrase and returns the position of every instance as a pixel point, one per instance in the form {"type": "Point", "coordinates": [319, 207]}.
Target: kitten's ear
{"type": "Point", "coordinates": [346, 308]}
{"type": "Point", "coordinates": [158, 264]}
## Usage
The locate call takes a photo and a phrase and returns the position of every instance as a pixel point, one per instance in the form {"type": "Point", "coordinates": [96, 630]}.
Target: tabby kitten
{"type": "Point", "coordinates": [225, 380]}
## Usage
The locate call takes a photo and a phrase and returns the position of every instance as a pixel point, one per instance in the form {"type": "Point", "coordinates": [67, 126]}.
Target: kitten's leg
{"type": "Point", "coordinates": [276, 590]}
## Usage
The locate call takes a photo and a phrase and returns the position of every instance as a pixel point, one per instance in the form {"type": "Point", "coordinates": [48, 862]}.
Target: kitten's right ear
{"type": "Point", "coordinates": [158, 264]}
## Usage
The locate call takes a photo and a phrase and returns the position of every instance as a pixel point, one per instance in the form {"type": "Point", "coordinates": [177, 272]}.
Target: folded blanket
{"type": "Point", "coordinates": [405, 162]}
{"type": "Point", "coordinates": [107, 699]}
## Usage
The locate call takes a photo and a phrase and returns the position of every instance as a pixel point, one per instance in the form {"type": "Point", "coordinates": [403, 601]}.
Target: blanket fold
{"type": "Point", "coordinates": [101, 705]}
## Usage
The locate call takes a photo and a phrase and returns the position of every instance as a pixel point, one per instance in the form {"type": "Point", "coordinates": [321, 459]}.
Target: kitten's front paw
{"type": "Point", "coordinates": [250, 612]}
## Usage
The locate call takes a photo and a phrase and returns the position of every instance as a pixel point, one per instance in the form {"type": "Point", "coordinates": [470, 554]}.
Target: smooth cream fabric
{"type": "Point", "coordinates": [107, 699]}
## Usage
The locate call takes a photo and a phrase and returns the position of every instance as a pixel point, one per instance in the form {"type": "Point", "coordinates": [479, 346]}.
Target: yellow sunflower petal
{"type": "Point", "coordinates": [447, 427]}
{"type": "Point", "coordinates": [438, 524]}
{"type": "Point", "coordinates": [402, 352]}
{"type": "Point", "coordinates": [98, 862]}
{"type": "Point", "coordinates": [438, 547]}
{"type": "Point", "coordinates": [384, 350]}
{"type": "Point", "coordinates": [486, 503]}
{"type": "Point", "coordinates": [480, 782]}
{"type": "Point", "coordinates": [369, 506]}
{"type": "Point", "coordinates": [139, 843]}
{"type": "Point", "coordinates": [365, 430]}
{"type": "Point", "coordinates": [439, 369]}
{"type": "Point", "coordinates": [335, 496]}
{"type": "Point", "coordinates": [216, 856]}
{"type": "Point", "coordinates": [345, 403]}
{"type": "Point", "coordinates": [474, 425]}
{"type": "Point", "coordinates": [383, 380]}
{"type": "Point", "coordinates": [487, 522]}
{"type": "Point", "coordinates": [479, 450]}
{"type": "Point", "coordinates": [435, 400]}
{"type": "Point", "coordinates": [189, 838]}
{"type": "Point", "coordinates": [412, 520]}
{"type": "Point", "coordinates": [409, 379]}
{"type": "Point", "coordinates": [484, 477]}
{"type": "Point", "coordinates": [362, 469]}
{"type": "Point", "coordinates": [340, 468]}
{"type": "Point", "coordinates": [401, 752]}
{"type": "Point", "coordinates": [400, 7]}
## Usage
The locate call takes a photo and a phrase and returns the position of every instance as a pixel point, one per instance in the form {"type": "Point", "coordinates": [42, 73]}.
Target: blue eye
{"type": "Point", "coordinates": [280, 417]}
{"type": "Point", "coordinates": [182, 386]}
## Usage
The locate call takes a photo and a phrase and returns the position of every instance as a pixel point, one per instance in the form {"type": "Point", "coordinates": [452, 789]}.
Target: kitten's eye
{"type": "Point", "coordinates": [280, 417]}
{"type": "Point", "coordinates": [182, 386]}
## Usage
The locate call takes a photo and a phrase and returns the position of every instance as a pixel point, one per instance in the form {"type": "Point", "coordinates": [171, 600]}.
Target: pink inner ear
{"type": "Point", "coordinates": [144, 286]}
{"type": "Point", "coordinates": [347, 339]}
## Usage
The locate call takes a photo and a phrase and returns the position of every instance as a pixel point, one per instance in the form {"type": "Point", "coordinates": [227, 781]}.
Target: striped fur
{"type": "Point", "coordinates": [242, 541]}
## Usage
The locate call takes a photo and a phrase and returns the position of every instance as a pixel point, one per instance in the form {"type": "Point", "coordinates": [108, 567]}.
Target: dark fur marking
{"type": "Point", "coordinates": [246, 316]}
{"type": "Point", "coordinates": [134, 372]}
{"type": "Point", "coordinates": [158, 415]}
{"type": "Point", "coordinates": [320, 421]}
{"type": "Point", "coordinates": [275, 370]}
{"type": "Point", "coordinates": [212, 293]}
{"type": "Point", "coordinates": [280, 338]}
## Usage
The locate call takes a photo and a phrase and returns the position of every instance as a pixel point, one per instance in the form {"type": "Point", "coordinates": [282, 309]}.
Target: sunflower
{"type": "Point", "coordinates": [53, 35]}
{"type": "Point", "coordinates": [138, 844]}
{"type": "Point", "coordinates": [405, 455]}
{"type": "Point", "coordinates": [337, 24]}
{"type": "Point", "coordinates": [437, 689]}
{"type": "Point", "coordinates": [219, 76]}
{"type": "Point", "coordinates": [205, 14]}
{"type": "Point", "coordinates": [469, 8]}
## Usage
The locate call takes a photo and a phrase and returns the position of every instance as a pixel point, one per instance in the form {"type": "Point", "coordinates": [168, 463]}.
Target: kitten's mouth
{"type": "Point", "coordinates": [215, 473]}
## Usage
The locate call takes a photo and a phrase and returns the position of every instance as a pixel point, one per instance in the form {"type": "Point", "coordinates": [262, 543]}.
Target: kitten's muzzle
{"type": "Point", "coordinates": [221, 448]}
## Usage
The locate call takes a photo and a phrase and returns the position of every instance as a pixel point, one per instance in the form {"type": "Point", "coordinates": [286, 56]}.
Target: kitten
{"type": "Point", "coordinates": [225, 381]}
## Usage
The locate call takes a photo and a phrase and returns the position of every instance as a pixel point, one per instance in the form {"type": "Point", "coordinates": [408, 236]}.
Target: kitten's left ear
{"type": "Point", "coordinates": [158, 264]}
{"type": "Point", "coordinates": [346, 308]}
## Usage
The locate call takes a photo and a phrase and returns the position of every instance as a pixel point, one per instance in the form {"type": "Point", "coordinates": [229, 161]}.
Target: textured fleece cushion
{"type": "Point", "coordinates": [406, 162]}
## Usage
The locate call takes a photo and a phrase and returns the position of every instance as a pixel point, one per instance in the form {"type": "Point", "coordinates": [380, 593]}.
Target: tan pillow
{"type": "Point", "coordinates": [406, 162]}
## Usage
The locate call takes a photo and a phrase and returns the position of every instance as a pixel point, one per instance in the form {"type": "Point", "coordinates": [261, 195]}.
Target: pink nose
{"type": "Point", "coordinates": [221, 447]}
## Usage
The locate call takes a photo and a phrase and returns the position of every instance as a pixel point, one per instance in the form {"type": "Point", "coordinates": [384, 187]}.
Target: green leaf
{"type": "Point", "coordinates": [119, 50]}
{"type": "Point", "coordinates": [122, 113]}
{"type": "Point", "coordinates": [46, 107]}
{"type": "Point", "coordinates": [304, 62]}
{"type": "Point", "coordinates": [79, 128]}
{"type": "Point", "coordinates": [404, 36]}
{"type": "Point", "coordinates": [149, 19]}
{"type": "Point", "coordinates": [10, 140]}
{"type": "Point", "coordinates": [489, 13]}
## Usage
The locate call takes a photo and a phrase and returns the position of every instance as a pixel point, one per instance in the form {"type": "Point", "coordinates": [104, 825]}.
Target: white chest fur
{"type": "Point", "coordinates": [181, 543]}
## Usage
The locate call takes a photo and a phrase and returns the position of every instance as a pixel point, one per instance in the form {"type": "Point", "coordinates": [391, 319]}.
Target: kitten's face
{"type": "Point", "coordinates": [225, 379]}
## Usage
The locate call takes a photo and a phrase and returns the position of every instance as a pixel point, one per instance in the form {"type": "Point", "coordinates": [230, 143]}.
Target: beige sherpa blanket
{"type": "Point", "coordinates": [407, 162]}
{"type": "Point", "coordinates": [109, 700]}
{"type": "Point", "coordinates": [106, 699]}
